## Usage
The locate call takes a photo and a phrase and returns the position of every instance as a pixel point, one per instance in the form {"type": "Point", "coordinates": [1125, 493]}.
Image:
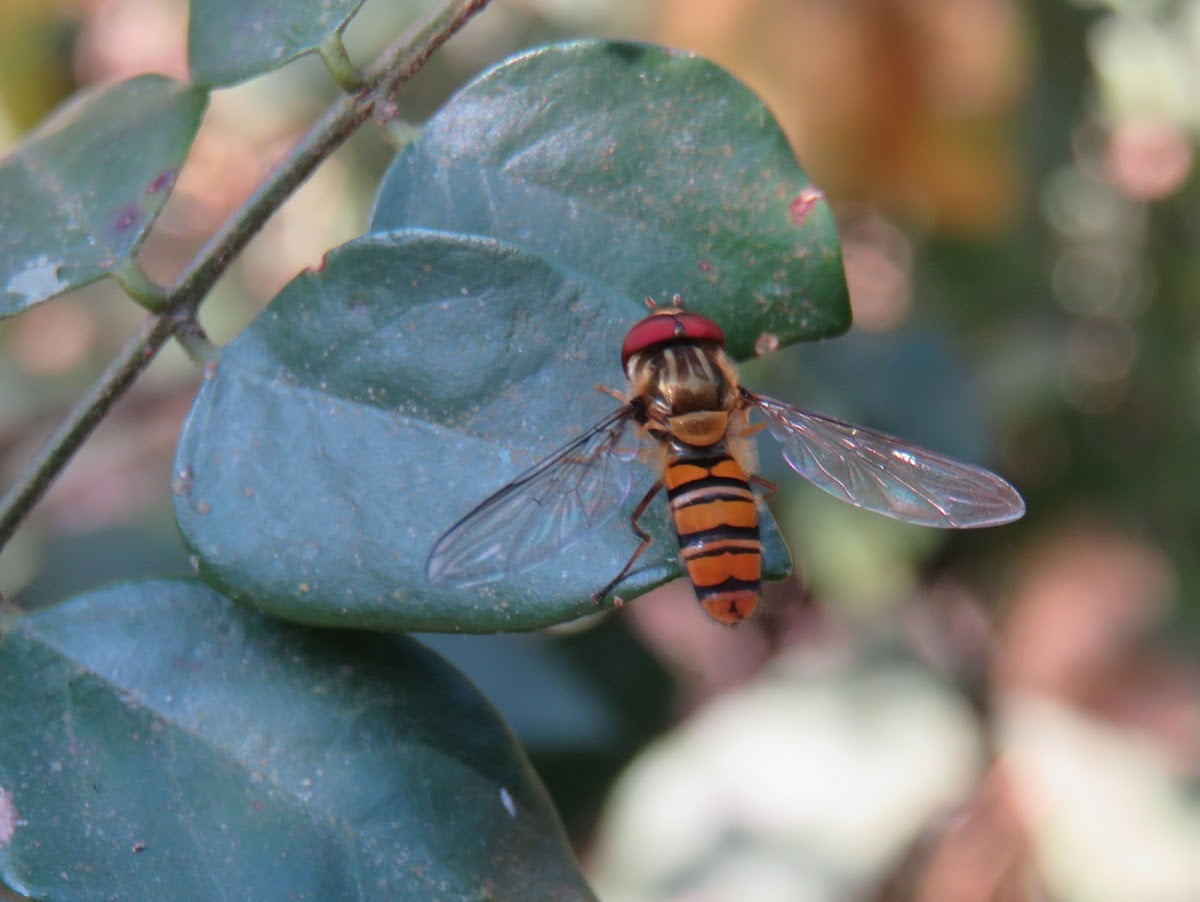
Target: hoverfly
{"type": "Point", "coordinates": [684, 399]}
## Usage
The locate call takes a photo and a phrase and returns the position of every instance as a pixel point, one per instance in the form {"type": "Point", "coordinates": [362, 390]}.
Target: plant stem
{"type": "Point", "coordinates": [337, 61]}
{"type": "Point", "coordinates": [397, 65]}
{"type": "Point", "coordinates": [83, 417]}
{"type": "Point", "coordinates": [387, 75]}
{"type": "Point", "coordinates": [139, 287]}
{"type": "Point", "coordinates": [196, 343]}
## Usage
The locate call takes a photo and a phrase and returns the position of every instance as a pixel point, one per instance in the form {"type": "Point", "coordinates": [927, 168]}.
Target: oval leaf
{"type": "Point", "coordinates": [654, 171]}
{"type": "Point", "coordinates": [376, 402]}
{"type": "Point", "coordinates": [160, 743]}
{"type": "Point", "coordinates": [79, 194]}
{"type": "Point", "coordinates": [233, 40]}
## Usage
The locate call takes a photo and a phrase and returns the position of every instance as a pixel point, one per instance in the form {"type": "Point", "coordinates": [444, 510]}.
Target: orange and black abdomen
{"type": "Point", "coordinates": [716, 520]}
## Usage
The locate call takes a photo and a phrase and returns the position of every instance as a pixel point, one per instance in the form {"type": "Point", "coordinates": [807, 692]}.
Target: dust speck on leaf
{"type": "Point", "coordinates": [767, 343]}
{"type": "Point", "coordinates": [8, 818]}
{"type": "Point", "coordinates": [803, 203]}
{"type": "Point", "coordinates": [163, 181]}
{"type": "Point", "coordinates": [628, 53]}
{"type": "Point", "coordinates": [126, 217]}
{"type": "Point", "coordinates": [182, 483]}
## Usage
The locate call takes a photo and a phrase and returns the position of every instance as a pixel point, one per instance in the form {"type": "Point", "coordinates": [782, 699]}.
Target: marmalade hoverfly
{"type": "Point", "coordinates": [684, 397]}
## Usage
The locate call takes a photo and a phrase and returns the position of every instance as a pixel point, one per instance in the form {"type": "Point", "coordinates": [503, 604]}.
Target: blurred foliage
{"type": "Point", "coordinates": [902, 104]}
{"type": "Point", "coordinates": [1019, 217]}
{"type": "Point", "coordinates": [801, 785]}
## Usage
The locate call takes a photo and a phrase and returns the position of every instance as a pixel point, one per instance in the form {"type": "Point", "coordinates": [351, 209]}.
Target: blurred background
{"type": "Point", "coordinates": [1012, 714]}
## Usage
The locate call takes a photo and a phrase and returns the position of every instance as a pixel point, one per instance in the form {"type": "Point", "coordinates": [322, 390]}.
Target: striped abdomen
{"type": "Point", "coordinates": [717, 524]}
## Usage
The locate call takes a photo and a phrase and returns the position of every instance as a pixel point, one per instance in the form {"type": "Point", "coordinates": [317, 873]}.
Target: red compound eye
{"type": "Point", "coordinates": [660, 328]}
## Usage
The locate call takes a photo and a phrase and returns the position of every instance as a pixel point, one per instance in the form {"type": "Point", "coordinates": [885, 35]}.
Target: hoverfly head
{"type": "Point", "coordinates": [665, 325]}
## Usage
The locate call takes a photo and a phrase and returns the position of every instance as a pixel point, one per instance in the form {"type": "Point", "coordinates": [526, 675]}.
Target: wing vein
{"type": "Point", "coordinates": [544, 510]}
{"type": "Point", "coordinates": [885, 474]}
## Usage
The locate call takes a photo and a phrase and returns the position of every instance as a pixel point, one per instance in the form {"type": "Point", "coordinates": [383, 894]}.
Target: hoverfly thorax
{"type": "Point", "coordinates": [677, 366]}
{"type": "Point", "coordinates": [684, 390]}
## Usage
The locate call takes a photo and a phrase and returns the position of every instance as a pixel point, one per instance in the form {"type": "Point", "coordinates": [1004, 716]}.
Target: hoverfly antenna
{"type": "Point", "coordinates": [677, 301]}
{"type": "Point", "coordinates": [650, 303]}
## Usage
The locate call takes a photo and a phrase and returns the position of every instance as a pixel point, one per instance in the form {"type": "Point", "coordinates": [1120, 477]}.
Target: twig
{"type": "Point", "coordinates": [83, 417]}
{"type": "Point", "coordinates": [387, 75]}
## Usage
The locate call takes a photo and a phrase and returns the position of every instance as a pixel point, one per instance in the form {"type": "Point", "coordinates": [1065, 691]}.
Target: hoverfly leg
{"type": "Point", "coordinates": [605, 390]}
{"type": "Point", "coordinates": [640, 533]}
{"type": "Point", "coordinates": [769, 488]}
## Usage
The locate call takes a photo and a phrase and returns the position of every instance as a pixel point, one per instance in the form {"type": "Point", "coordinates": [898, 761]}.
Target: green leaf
{"type": "Point", "coordinates": [654, 171]}
{"type": "Point", "coordinates": [377, 401]}
{"type": "Point", "coordinates": [160, 743]}
{"type": "Point", "coordinates": [79, 194]}
{"type": "Point", "coordinates": [233, 40]}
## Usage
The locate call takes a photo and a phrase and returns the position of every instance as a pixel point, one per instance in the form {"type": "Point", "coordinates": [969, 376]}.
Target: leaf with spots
{"type": "Point", "coordinates": [377, 401]}
{"type": "Point", "coordinates": [161, 743]}
{"type": "Point", "coordinates": [80, 193]}
{"type": "Point", "coordinates": [654, 171]}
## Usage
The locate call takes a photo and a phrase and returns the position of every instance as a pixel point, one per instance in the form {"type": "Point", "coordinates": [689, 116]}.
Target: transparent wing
{"type": "Point", "coordinates": [888, 475]}
{"type": "Point", "coordinates": [539, 513]}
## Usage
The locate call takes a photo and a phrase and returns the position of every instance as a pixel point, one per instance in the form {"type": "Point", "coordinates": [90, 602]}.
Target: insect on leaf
{"type": "Point", "coordinates": [376, 402]}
